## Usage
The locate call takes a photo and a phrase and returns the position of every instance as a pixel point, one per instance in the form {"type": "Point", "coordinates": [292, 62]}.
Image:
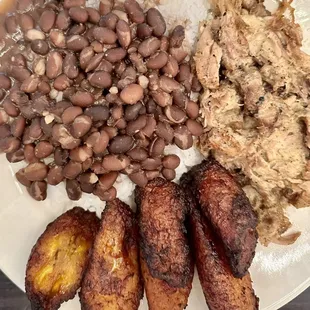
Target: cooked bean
{"type": "Point", "coordinates": [62, 135]}
{"type": "Point", "coordinates": [11, 24]}
{"type": "Point", "coordinates": [77, 43]}
{"type": "Point", "coordinates": [55, 175]}
{"type": "Point", "coordinates": [38, 190]}
{"type": "Point", "coordinates": [192, 109]}
{"type": "Point", "coordinates": [157, 61]}
{"type": "Point", "coordinates": [115, 54]}
{"type": "Point", "coordinates": [134, 11]}
{"type": "Point", "coordinates": [63, 20]}
{"type": "Point", "coordinates": [149, 46]}
{"type": "Point", "coordinates": [19, 97]}
{"type": "Point", "coordinates": [5, 82]}
{"type": "Point", "coordinates": [76, 29]}
{"type": "Point", "coordinates": [53, 65]}
{"type": "Point", "coordinates": [98, 141]}
{"type": "Point", "coordinates": [104, 35]}
{"type": "Point", "coordinates": [139, 178]}
{"type": "Point", "coordinates": [194, 127]}
{"type": "Point", "coordinates": [109, 21]}
{"type": "Point", "coordinates": [162, 98]}
{"type": "Point", "coordinates": [88, 178]}
{"type": "Point", "coordinates": [150, 126]}
{"type": "Point", "coordinates": [105, 6]}
{"type": "Point", "coordinates": [121, 123]}
{"type": "Point", "coordinates": [178, 53]}
{"type": "Point", "coordinates": [36, 171]}
{"type": "Point", "coordinates": [72, 169]}
{"type": "Point", "coordinates": [40, 47]}
{"type": "Point", "coordinates": [196, 85]}
{"type": "Point", "coordinates": [10, 108]}
{"type": "Point", "coordinates": [98, 113]}
{"type": "Point", "coordinates": [171, 161]}
{"type": "Point", "coordinates": [30, 85]}
{"type": "Point", "coordinates": [29, 154]}
{"type": "Point", "coordinates": [21, 178]}
{"type": "Point", "coordinates": [168, 84]}
{"type": "Point", "coordinates": [177, 36]}
{"type": "Point", "coordinates": [62, 82]}
{"type": "Point", "coordinates": [34, 34]}
{"type": "Point", "coordinates": [144, 31]}
{"type": "Point", "coordinates": [78, 14]}
{"type": "Point", "coordinates": [132, 168]}
{"type": "Point", "coordinates": [73, 189]}
{"type": "Point", "coordinates": [121, 144]}
{"type": "Point", "coordinates": [175, 115]}
{"type": "Point", "coordinates": [100, 79]}
{"type": "Point", "coordinates": [80, 126]}
{"type": "Point", "coordinates": [26, 22]}
{"type": "Point", "coordinates": [137, 154]}
{"type": "Point", "coordinates": [164, 44]}
{"type": "Point", "coordinates": [82, 99]}
{"type": "Point", "coordinates": [111, 131]}
{"type": "Point", "coordinates": [81, 153]}
{"type": "Point", "coordinates": [121, 15]}
{"type": "Point", "coordinates": [165, 131]}
{"type": "Point", "coordinates": [69, 115]}
{"type": "Point", "coordinates": [18, 60]}
{"type": "Point", "coordinates": [47, 20]}
{"type": "Point", "coordinates": [61, 156]}
{"type": "Point", "coordinates": [93, 15]}
{"type": "Point", "coordinates": [132, 111]}
{"type": "Point", "coordinates": [5, 131]}
{"type": "Point", "coordinates": [108, 195]}
{"type": "Point", "coordinates": [94, 62]}
{"type": "Point", "coordinates": [70, 66]}
{"type": "Point", "coordinates": [86, 165]}
{"type": "Point", "coordinates": [105, 66]}
{"type": "Point", "coordinates": [138, 62]}
{"type": "Point", "coordinates": [38, 68]}
{"type": "Point", "coordinates": [115, 162]}
{"type": "Point", "coordinates": [152, 174]}
{"type": "Point", "coordinates": [85, 56]}
{"type": "Point", "coordinates": [87, 188]}
{"type": "Point", "coordinates": [136, 125]}
{"type": "Point", "coordinates": [120, 68]}
{"type": "Point", "coordinates": [117, 112]}
{"type": "Point", "coordinates": [156, 21]}
{"type": "Point", "coordinates": [19, 73]}
{"type": "Point", "coordinates": [151, 163]}
{"type": "Point", "coordinates": [43, 149]}
{"type": "Point", "coordinates": [132, 93]}
{"type": "Point", "coordinates": [71, 3]}
{"type": "Point", "coordinates": [58, 38]}
{"type": "Point", "coordinates": [123, 33]}
{"type": "Point", "coordinates": [182, 137]}
{"type": "Point", "coordinates": [169, 174]}
{"type": "Point", "coordinates": [157, 147]}
{"type": "Point", "coordinates": [16, 156]}
{"type": "Point", "coordinates": [107, 180]}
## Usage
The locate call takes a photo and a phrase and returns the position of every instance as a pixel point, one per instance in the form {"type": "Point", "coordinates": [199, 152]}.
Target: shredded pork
{"type": "Point", "coordinates": [255, 108]}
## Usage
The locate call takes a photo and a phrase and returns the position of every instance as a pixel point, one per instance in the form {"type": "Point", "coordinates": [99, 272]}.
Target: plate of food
{"type": "Point", "coordinates": [156, 153]}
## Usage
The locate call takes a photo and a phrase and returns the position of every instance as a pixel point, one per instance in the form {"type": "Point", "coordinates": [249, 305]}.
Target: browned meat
{"type": "Point", "coordinates": [225, 204]}
{"type": "Point", "coordinates": [165, 256]}
{"type": "Point", "coordinates": [221, 289]}
{"type": "Point", "coordinates": [112, 279]}
{"type": "Point", "coordinates": [58, 260]}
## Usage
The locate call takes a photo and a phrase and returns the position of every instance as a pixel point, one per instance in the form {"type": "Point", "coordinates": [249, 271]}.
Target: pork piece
{"type": "Point", "coordinates": [59, 258]}
{"type": "Point", "coordinates": [208, 55]}
{"type": "Point", "coordinates": [112, 279]}
{"type": "Point", "coordinates": [225, 204]}
{"type": "Point", "coordinates": [221, 289]}
{"type": "Point", "coordinates": [167, 267]}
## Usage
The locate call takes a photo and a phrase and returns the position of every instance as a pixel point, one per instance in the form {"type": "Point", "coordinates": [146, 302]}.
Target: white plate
{"type": "Point", "coordinates": [279, 273]}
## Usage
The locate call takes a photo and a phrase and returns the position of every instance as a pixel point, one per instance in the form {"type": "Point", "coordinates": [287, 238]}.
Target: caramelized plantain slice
{"type": "Point", "coordinates": [113, 280]}
{"type": "Point", "coordinates": [57, 261]}
{"type": "Point", "coordinates": [221, 289]}
{"type": "Point", "coordinates": [223, 202]}
{"type": "Point", "coordinates": [167, 267]}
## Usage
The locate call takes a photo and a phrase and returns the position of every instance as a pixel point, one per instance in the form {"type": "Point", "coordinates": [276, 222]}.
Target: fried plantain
{"type": "Point", "coordinates": [57, 261]}
{"type": "Point", "coordinates": [229, 211]}
{"type": "Point", "coordinates": [221, 289]}
{"type": "Point", "coordinates": [167, 267]}
{"type": "Point", "coordinates": [113, 279]}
